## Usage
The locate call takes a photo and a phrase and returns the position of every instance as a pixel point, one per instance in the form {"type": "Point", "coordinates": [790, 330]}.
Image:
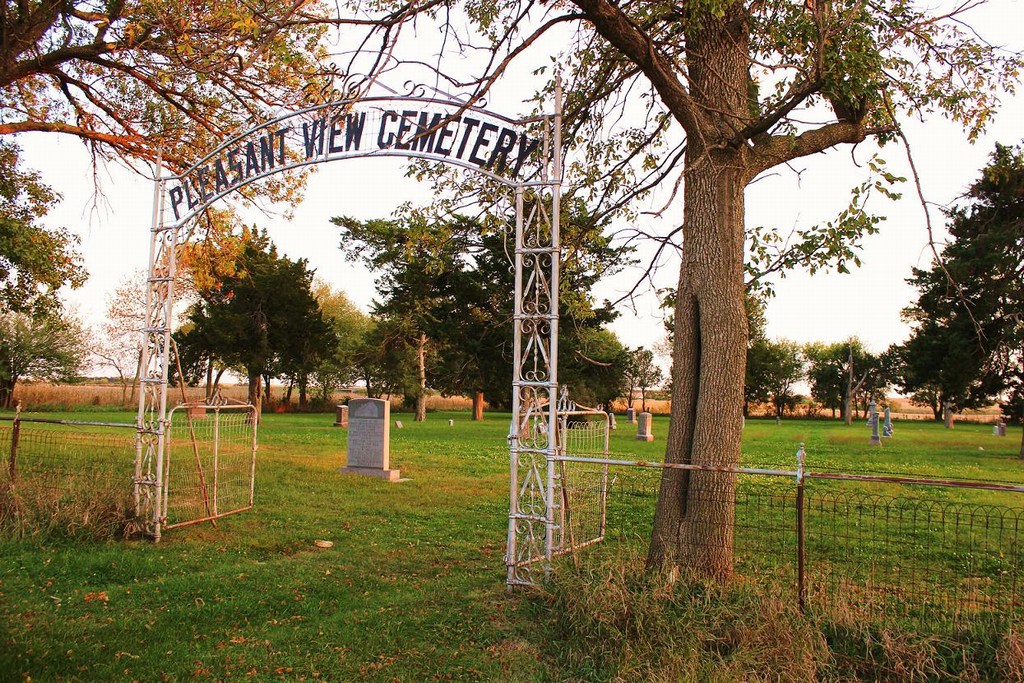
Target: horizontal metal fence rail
{"type": "Point", "coordinates": [896, 551]}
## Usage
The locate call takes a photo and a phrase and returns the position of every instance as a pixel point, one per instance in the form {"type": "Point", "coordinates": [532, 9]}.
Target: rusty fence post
{"type": "Point", "coordinates": [15, 430]}
{"type": "Point", "coordinates": [801, 579]}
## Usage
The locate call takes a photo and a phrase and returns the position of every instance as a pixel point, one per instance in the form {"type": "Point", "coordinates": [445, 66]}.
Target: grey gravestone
{"type": "Point", "coordinates": [630, 415]}
{"type": "Point", "coordinates": [887, 425]}
{"type": "Point", "coordinates": [873, 423]}
{"type": "Point", "coordinates": [398, 424]}
{"type": "Point", "coordinates": [1001, 429]}
{"type": "Point", "coordinates": [341, 416]}
{"type": "Point", "coordinates": [611, 420]}
{"type": "Point", "coordinates": [643, 427]}
{"type": "Point", "coordinates": [369, 439]}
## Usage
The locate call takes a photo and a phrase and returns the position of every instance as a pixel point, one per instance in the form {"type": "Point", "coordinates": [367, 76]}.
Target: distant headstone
{"type": "Point", "coordinates": [451, 423]}
{"type": "Point", "coordinates": [887, 426]}
{"type": "Point", "coordinates": [1001, 427]}
{"type": "Point", "coordinates": [873, 423]}
{"type": "Point", "coordinates": [778, 420]}
{"type": "Point", "coordinates": [643, 427]}
{"type": "Point", "coordinates": [369, 439]}
{"type": "Point", "coordinates": [611, 420]}
{"type": "Point", "coordinates": [630, 415]}
{"type": "Point", "coordinates": [341, 416]}
{"type": "Point", "coordinates": [398, 424]}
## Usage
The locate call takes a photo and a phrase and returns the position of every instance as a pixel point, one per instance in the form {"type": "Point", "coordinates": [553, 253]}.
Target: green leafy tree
{"type": "Point", "coordinates": [350, 326]}
{"type": "Point", "coordinates": [47, 346]}
{"type": "Point", "coordinates": [785, 370]}
{"type": "Point", "coordinates": [642, 373]}
{"type": "Point", "coordinates": [35, 262]}
{"type": "Point", "coordinates": [826, 374]}
{"type": "Point", "coordinates": [773, 367]}
{"type": "Point", "coordinates": [263, 319]}
{"type": "Point", "coordinates": [595, 366]}
{"type": "Point", "coordinates": [842, 372]}
{"type": "Point", "coordinates": [965, 348]}
{"type": "Point", "coordinates": [450, 281]}
{"type": "Point", "coordinates": [385, 360]}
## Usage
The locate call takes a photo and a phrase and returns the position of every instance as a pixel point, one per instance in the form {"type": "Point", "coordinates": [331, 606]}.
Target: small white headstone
{"type": "Point", "coordinates": [398, 424]}
{"type": "Point", "coordinates": [451, 423]}
{"type": "Point", "coordinates": [611, 421]}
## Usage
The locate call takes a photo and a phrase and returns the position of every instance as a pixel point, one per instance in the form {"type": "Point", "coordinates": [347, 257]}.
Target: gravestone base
{"type": "Point", "coordinates": [386, 475]}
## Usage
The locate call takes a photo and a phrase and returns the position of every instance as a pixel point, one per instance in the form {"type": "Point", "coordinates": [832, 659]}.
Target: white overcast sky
{"type": "Point", "coordinates": [825, 307]}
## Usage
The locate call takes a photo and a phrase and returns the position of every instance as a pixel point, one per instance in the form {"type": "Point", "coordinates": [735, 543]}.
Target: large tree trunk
{"type": "Point", "coordinates": [694, 518]}
{"type": "Point", "coordinates": [478, 405]}
{"type": "Point", "coordinates": [255, 393]}
{"type": "Point", "coordinates": [421, 360]}
{"type": "Point", "coordinates": [947, 416]}
{"type": "Point", "coordinates": [7, 392]}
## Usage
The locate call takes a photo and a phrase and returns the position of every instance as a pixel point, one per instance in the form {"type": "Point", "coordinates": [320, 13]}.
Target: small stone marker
{"type": "Point", "coordinates": [1000, 429]}
{"type": "Point", "coordinates": [887, 426]}
{"type": "Point", "coordinates": [611, 421]}
{"type": "Point", "coordinates": [451, 423]}
{"type": "Point", "coordinates": [873, 423]}
{"type": "Point", "coordinates": [630, 415]}
{"type": "Point", "coordinates": [778, 420]}
{"type": "Point", "coordinates": [398, 424]}
{"type": "Point", "coordinates": [369, 439]}
{"type": "Point", "coordinates": [643, 427]}
{"type": "Point", "coordinates": [341, 416]}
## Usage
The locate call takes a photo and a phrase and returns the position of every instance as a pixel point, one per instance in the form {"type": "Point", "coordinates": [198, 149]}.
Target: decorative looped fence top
{"type": "Point", "coordinates": [423, 128]}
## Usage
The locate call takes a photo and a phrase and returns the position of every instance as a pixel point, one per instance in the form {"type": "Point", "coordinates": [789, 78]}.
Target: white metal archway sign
{"type": "Point", "coordinates": [522, 155]}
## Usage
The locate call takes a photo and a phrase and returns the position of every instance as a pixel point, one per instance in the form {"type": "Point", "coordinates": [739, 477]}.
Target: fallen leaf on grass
{"type": "Point", "coordinates": [101, 596]}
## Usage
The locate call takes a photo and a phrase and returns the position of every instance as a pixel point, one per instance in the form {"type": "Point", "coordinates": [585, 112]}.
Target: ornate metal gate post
{"type": "Point", "coordinates": [533, 436]}
{"type": "Point", "coordinates": [151, 421]}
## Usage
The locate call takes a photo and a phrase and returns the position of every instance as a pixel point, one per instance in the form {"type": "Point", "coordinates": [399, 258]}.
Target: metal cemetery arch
{"type": "Point", "coordinates": [437, 130]}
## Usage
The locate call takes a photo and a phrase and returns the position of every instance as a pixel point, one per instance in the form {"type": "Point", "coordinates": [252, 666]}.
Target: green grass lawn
{"type": "Point", "coordinates": [413, 587]}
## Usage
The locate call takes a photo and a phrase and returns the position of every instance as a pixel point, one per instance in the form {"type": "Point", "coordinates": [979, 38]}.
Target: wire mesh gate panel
{"type": "Point", "coordinates": [581, 489]}
{"type": "Point", "coordinates": [209, 463]}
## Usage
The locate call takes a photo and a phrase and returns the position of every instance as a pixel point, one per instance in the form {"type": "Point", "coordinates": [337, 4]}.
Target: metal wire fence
{"type": "Point", "coordinates": [75, 477]}
{"type": "Point", "coordinates": [68, 477]}
{"type": "Point", "coordinates": [874, 549]}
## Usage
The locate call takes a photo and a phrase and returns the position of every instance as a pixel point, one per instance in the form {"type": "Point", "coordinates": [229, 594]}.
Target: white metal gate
{"type": "Point", "coordinates": [210, 463]}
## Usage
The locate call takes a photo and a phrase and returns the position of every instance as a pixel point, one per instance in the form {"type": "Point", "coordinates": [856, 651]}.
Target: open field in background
{"type": "Point", "coordinates": [413, 588]}
{"type": "Point", "coordinates": [45, 396]}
